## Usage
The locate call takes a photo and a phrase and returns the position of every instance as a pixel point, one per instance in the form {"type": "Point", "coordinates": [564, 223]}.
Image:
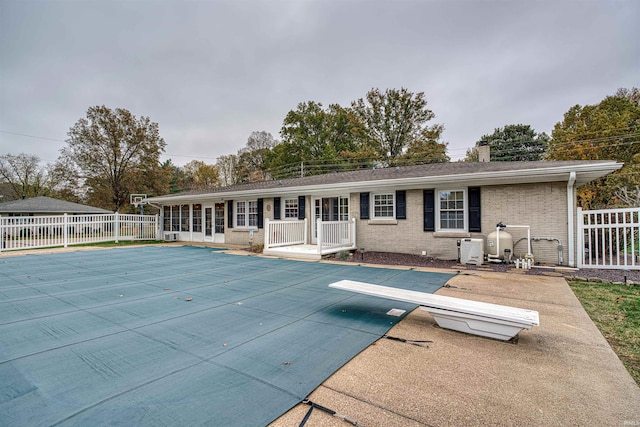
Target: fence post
{"type": "Point", "coordinates": [158, 232]}
{"type": "Point", "coordinates": [580, 238]}
{"type": "Point", "coordinates": [117, 226]}
{"type": "Point", "coordinates": [1, 233]}
{"type": "Point", "coordinates": [319, 228]}
{"type": "Point", "coordinates": [65, 227]}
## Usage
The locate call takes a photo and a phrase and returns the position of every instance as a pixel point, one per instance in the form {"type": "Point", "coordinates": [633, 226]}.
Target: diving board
{"type": "Point", "coordinates": [473, 317]}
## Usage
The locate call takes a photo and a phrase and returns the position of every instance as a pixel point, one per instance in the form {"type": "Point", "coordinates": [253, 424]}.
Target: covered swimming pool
{"type": "Point", "coordinates": [179, 335]}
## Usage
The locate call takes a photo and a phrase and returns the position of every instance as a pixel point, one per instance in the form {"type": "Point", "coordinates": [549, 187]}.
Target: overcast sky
{"type": "Point", "coordinates": [211, 72]}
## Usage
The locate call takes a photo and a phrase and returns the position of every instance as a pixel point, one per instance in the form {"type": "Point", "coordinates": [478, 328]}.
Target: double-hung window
{"type": "Point", "coordinates": [247, 213]}
{"type": "Point", "coordinates": [291, 208]}
{"type": "Point", "coordinates": [383, 206]}
{"type": "Point", "coordinates": [451, 210]}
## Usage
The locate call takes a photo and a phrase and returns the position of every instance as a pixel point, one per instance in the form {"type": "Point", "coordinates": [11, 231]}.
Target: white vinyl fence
{"type": "Point", "coordinates": [609, 239]}
{"type": "Point", "coordinates": [28, 232]}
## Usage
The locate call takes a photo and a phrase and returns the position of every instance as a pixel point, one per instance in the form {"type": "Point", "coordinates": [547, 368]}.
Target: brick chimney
{"type": "Point", "coordinates": [484, 154]}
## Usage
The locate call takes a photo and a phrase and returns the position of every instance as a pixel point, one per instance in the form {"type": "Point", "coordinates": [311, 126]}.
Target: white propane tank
{"type": "Point", "coordinates": [494, 246]}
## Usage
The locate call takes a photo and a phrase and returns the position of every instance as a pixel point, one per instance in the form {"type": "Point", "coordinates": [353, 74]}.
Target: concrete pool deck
{"type": "Point", "coordinates": [561, 373]}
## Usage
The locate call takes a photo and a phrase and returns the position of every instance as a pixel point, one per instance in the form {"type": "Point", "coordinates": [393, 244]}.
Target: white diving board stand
{"type": "Point", "coordinates": [473, 317]}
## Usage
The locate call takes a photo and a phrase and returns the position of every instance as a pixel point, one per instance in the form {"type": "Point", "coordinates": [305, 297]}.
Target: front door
{"type": "Point", "coordinates": [219, 223]}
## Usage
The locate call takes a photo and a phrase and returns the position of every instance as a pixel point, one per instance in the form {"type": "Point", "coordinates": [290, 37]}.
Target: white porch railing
{"type": "Point", "coordinates": [284, 233]}
{"type": "Point", "coordinates": [30, 232]}
{"type": "Point", "coordinates": [609, 238]}
{"type": "Point", "coordinates": [334, 235]}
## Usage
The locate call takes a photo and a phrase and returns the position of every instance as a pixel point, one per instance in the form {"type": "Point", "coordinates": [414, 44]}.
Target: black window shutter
{"type": "Point", "coordinates": [230, 214]}
{"type": "Point", "coordinates": [364, 205]}
{"type": "Point", "coordinates": [429, 211]}
{"type": "Point", "coordinates": [276, 208]}
{"type": "Point", "coordinates": [260, 213]}
{"type": "Point", "coordinates": [475, 219]}
{"type": "Point", "coordinates": [401, 204]}
{"type": "Point", "coordinates": [301, 207]}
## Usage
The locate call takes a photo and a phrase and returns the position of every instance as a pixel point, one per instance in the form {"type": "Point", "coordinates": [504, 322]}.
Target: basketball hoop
{"type": "Point", "coordinates": [137, 199]}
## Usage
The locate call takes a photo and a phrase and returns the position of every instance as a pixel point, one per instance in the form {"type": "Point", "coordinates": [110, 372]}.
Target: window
{"type": "Point", "coordinates": [253, 213]}
{"type": "Point", "coordinates": [247, 213]}
{"type": "Point", "coordinates": [291, 208]}
{"type": "Point", "coordinates": [175, 218]}
{"type": "Point", "coordinates": [451, 210]}
{"type": "Point", "coordinates": [241, 214]}
{"type": "Point", "coordinates": [197, 218]}
{"type": "Point", "coordinates": [383, 206]}
{"type": "Point", "coordinates": [167, 218]}
{"type": "Point", "coordinates": [344, 209]}
{"type": "Point", "coordinates": [184, 218]}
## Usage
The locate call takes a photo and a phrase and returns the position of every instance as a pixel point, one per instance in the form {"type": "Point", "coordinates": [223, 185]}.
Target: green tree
{"type": "Point", "coordinates": [26, 176]}
{"type": "Point", "coordinates": [114, 154]}
{"type": "Point", "coordinates": [609, 130]}
{"type": "Point", "coordinates": [512, 143]}
{"type": "Point", "coordinates": [322, 139]}
{"type": "Point", "coordinates": [392, 122]}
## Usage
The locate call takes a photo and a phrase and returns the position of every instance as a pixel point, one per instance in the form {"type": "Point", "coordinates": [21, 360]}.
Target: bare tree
{"type": "Point", "coordinates": [26, 176]}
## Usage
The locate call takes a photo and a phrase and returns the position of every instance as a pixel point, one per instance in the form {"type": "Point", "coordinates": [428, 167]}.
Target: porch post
{"type": "Point", "coordinates": [267, 234]}
{"type": "Point", "coordinates": [306, 231]}
{"type": "Point", "coordinates": [353, 233]}
{"type": "Point", "coordinates": [319, 228]}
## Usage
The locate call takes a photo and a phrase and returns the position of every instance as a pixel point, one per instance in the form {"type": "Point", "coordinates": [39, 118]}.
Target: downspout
{"type": "Point", "coordinates": [571, 201]}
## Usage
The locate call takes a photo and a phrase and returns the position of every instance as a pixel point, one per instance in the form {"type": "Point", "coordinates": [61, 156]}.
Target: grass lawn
{"type": "Point", "coordinates": [615, 309]}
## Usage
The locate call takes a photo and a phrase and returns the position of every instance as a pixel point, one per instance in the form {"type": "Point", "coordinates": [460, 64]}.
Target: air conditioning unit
{"type": "Point", "coordinates": [471, 251]}
{"type": "Point", "coordinates": [170, 236]}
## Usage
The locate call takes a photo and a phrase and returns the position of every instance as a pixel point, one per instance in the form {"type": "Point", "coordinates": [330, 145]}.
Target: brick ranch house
{"type": "Point", "coordinates": [420, 209]}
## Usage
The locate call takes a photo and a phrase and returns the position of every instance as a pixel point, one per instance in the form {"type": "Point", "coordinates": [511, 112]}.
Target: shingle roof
{"type": "Point", "coordinates": [402, 172]}
{"type": "Point", "coordinates": [45, 205]}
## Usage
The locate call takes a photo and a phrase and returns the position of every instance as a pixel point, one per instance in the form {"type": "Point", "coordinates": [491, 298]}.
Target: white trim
{"type": "Point", "coordinates": [246, 214]}
{"type": "Point", "coordinates": [465, 210]}
{"type": "Point", "coordinates": [283, 208]}
{"type": "Point", "coordinates": [372, 206]}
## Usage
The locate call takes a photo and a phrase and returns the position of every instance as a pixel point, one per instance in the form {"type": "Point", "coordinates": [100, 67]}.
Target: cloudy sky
{"type": "Point", "coordinates": [210, 72]}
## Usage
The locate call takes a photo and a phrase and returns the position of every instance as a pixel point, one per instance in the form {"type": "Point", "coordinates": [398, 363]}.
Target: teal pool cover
{"type": "Point", "coordinates": [179, 335]}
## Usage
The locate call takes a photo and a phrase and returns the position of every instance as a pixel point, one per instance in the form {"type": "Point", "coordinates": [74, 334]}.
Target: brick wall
{"type": "Point", "coordinates": [541, 206]}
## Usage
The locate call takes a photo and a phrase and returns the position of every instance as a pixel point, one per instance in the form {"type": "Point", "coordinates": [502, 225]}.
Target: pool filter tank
{"type": "Point", "coordinates": [499, 245]}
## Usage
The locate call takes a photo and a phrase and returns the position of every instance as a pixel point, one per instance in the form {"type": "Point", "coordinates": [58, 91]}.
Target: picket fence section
{"type": "Point", "coordinates": [30, 232]}
{"type": "Point", "coordinates": [609, 238]}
